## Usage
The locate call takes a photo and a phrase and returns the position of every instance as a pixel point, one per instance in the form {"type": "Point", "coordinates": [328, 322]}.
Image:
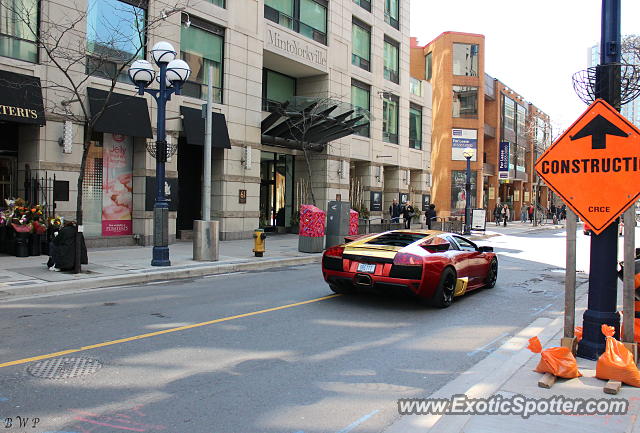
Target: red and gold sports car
{"type": "Point", "coordinates": [435, 266]}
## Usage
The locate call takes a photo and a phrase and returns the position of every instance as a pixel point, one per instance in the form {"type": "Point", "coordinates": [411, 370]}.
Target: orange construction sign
{"type": "Point", "coordinates": [595, 165]}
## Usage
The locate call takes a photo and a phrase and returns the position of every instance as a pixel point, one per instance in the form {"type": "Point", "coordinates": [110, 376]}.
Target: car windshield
{"type": "Point", "coordinates": [396, 239]}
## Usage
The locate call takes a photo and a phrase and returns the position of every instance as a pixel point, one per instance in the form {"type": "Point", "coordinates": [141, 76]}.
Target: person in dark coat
{"type": "Point", "coordinates": [62, 249]}
{"type": "Point", "coordinates": [430, 215]}
{"type": "Point", "coordinates": [394, 211]}
{"type": "Point", "coordinates": [408, 212]}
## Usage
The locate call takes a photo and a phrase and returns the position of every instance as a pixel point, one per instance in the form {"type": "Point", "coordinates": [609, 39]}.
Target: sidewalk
{"type": "Point", "coordinates": [132, 265]}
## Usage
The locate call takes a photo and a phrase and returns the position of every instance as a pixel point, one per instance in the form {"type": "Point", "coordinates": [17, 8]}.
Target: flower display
{"type": "Point", "coordinates": [24, 218]}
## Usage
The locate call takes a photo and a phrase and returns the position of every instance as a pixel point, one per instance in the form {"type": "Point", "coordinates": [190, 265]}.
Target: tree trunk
{"type": "Point", "coordinates": [306, 157]}
{"type": "Point", "coordinates": [83, 165]}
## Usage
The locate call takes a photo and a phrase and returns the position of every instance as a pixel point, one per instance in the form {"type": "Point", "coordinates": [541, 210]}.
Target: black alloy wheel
{"type": "Point", "coordinates": [443, 297]}
{"type": "Point", "coordinates": [492, 275]}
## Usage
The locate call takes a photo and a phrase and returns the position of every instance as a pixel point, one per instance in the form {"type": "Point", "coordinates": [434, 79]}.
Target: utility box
{"type": "Point", "coordinates": [338, 222]}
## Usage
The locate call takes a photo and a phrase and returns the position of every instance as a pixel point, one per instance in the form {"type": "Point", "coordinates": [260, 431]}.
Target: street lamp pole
{"type": "Point", "coordinates": [173, 73]}
{"type": "Point", "coordinates": [602, 302]}
{"type": "Point", "coordinates": [468, 154]}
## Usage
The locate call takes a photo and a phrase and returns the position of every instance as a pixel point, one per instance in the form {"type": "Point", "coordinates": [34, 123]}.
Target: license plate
{"type": "Point", "coordinates": [366, 267]}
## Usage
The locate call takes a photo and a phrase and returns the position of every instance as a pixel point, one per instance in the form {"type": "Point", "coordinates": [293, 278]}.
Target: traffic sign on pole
{"type": "Point", "coordinates": [595, 165]}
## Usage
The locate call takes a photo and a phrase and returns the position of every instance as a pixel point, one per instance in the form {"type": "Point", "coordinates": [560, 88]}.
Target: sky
{"type": "Point", "coordinates": [534, 47]}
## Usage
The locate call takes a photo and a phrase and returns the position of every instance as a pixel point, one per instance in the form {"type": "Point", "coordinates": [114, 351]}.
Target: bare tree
{"type": "Point", "coordinates": [631, 49]}
{"type": "Point", "coordinates": [78, 48]}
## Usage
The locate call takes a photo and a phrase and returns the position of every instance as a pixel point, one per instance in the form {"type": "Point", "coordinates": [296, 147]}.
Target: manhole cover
{"type": "Point", "coordinates": [64, 368]}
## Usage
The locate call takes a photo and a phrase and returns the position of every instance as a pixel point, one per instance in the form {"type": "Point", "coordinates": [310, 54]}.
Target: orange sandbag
{"type": "Point", "coordinates": [534, 345]}
{"type": "Point", "coordinates": [558, 361]}
{"type": "Point", "coordinates": [578, 333]}
{"type": "Point", "coordinates": [616, 363]}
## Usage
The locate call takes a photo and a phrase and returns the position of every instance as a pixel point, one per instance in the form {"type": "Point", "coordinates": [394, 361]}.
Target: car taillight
{"type": "Point", "coordinates": [335, 252]}
{"type": "Point", "coordinates": [406, 259]}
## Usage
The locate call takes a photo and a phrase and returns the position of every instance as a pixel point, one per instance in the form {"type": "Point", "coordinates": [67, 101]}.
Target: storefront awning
{"type": "Point", "coordinates": [193, 126]}
{"type": "Point", "coordinates": [21, 98]}
{"type": "Point", "coordinates": [311, 123]}
{"type": "Point", "coordinates": [124, 114]}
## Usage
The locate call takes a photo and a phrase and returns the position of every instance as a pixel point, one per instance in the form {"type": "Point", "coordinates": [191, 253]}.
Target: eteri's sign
{"type": "Point", "coordinates": [296, 47]}
{"type": "Point", "coordinates": [9, 110]}
{"type": "Point", "coordinates": [595, 165]}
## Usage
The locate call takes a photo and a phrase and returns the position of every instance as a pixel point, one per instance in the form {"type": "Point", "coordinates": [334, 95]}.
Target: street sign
{"type": "Point", "coordinates": [595, 165]}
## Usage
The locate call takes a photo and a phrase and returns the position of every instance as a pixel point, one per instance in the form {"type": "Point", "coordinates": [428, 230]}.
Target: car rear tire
{"type": "Point", "coordinates": [492, 275]}
{"type": "Point", "coordinates": [443, 297]}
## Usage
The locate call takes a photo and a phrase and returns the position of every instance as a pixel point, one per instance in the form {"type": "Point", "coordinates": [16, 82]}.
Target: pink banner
{"type": "Point", "coordinates": [353, 222]}
{"type": "Point", "coordinates": [312, 221]}
{"type": "Point", "coordinates": [117, 185]}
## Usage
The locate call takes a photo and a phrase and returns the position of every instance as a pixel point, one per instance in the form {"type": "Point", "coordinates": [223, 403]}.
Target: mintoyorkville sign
{"type": "Point", "coordinates": [293, 46]}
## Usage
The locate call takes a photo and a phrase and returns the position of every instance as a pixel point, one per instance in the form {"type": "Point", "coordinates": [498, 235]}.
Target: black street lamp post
{"type": "Point", "coordinates": [173, 73]}
{"type": "Point", "coordinates": [468, 154]}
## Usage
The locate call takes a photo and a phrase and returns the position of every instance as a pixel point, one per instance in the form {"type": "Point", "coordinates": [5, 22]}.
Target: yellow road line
{"type": "Point", "coordinates": [165, 331]}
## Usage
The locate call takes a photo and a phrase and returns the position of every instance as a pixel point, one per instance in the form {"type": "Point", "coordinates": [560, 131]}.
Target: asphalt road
{"type": "Point", "coordinates": [335, 364]}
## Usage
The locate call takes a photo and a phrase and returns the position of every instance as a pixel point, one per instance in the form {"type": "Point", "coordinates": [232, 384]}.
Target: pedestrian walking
{"type": "Point", "coordinates": [430, 215]}
{"type": "Point", "coordinates": [408, 212]}
{"type": "Point", "coordinates": [505, 214]}
{"type": "Point", "coordinates": [394, 211]}
{"type": "Point", "coordinates": [563, 212]}
{"type": "Point", "coordinates": [523, 213]}
{"type": "Point", "coordinates": [496, 214]}
{"type": "Point", "coordinates": [531, 211]}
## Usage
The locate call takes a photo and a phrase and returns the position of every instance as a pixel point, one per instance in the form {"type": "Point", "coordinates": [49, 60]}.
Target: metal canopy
{"type": "Point", "coordinates": [311, 123]}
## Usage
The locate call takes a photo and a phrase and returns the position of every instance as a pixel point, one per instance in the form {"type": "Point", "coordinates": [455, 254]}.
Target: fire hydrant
{"type": "Point", "coordinates": [258, 242]}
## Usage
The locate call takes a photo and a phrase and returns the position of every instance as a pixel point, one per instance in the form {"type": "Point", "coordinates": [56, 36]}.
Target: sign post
{"type": "Point", "coordinates": [595, 168]}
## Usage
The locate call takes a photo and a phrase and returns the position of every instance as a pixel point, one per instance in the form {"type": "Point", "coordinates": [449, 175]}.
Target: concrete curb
{"type": "Point", "coordinates": [150, 276]}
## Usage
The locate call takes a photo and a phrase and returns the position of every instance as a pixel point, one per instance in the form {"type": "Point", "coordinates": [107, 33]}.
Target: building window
{"type": "Point", "coordinates": [365, 4]}
{"type": "Point", "coordinates": [520, 152]}
{"type": "Point", "coordinates": [391, 60]}
{"type": "Point", "coordinates": [509, 113]}
{"type": "Point", "coordinates": [307, 17]}
{"type": "Point", "coordinates": [415, 86]}
{"type": "Point", "coordinates": [115, 37]}
{"type": "Point", "coordinates": [17, 38]}
{"type": "Point", "coordinates": [465, 59]}
{"type": "Point", "coordinates": [390, 118]}
{"type": "Point", "coordinates": [521, 120]}
{"type": "Point", "coordinates": [201, 46]}
{"type": "Point", "coordinates": [218, 3]}
{"type": "Point", "coordinates": [415, 127]}
{"type": "Point", "coordinates": [276, 89]}
{"type": "Point", "coordinates": [361, 41]}
{"type": "Point", "coordinates": [391, 13]}
{"type": "Point", "coordinates": [465, 101]}
{"type": "Point", "coordinates": [428, 66]}
{"type": "Point", "coordinates": [361, 100]}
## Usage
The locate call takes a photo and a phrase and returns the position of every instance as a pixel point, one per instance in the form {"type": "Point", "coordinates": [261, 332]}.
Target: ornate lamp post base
{"type": "Point", "coordinates": [160, 255]}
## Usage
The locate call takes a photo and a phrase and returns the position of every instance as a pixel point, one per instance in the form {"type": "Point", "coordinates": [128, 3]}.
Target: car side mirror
{"type": "Point", "coordinates": [485, 249]}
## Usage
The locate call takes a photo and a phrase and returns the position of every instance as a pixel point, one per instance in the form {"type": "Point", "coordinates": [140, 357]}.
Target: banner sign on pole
{"type": "Point", "coordinates": [503, 160]}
